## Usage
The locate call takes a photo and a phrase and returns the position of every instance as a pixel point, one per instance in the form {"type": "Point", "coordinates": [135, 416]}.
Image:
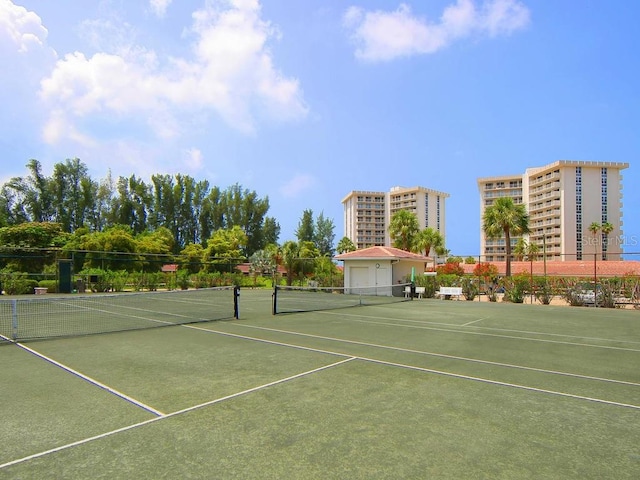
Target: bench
{"type": "Point", "coordinates": [40, 290]}
{"type": "Point", "coordinates": [446, 292]}
{"type": "Point", "coordinates": [419, 292]}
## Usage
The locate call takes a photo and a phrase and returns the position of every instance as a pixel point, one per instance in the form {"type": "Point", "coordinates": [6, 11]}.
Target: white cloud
{"type": "Point", "coordinates": [380, 35]}
{"type": "Point", "coordinates": [22, 28]}
{"type": "Point", "coordinates": [231, 72]}
{"type": "Point", "coordinates": [23, 46]}
{"type": "Point", "coordinates": [297, 185]}
{"type": "Point", "coordinates": [193, 159]}
{"type": "Point", "coordinates": [159, 7]}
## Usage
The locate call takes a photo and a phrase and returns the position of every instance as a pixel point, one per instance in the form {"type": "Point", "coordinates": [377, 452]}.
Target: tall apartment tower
{"type": "Point", "coordinates": [563, 199]}
{"type": "Point", "coordinates": [367, 214]}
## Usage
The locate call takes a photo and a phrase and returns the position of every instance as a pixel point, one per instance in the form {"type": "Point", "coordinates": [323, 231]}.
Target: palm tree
{"type": "Point", "coordinates": [503, 219]}
{"type": "Point", "coordinates": [594, 228]}
{"type": "Point", "coordinates": [427, 239]}
{"type": "Point", "coordinates": [403, 229]}
{"type": "Point", "coordinates": [520, 250]}
{"type": "Point", "coordinates": [606, 228]}
{"type": "Point", "coordinates": [345, 245]}
{"type": "Point", "coordinates": [532, 251]}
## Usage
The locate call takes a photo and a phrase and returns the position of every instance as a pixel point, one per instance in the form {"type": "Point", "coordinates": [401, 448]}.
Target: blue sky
{"type": "Point", "coordinates": [304, 101]}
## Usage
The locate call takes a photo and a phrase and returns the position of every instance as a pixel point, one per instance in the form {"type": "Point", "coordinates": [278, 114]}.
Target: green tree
{"type": "Point", "coordinates": [403, 229]}
{"type": "Point", "coordinates": [306, 227]}
{"type": "Point", "coordinates": [243, 208]}
{"type": "Point", "coordinates": [224, 248]}
{"type": "Point", "coordinates": [270, 231]}
{"type": "Point", "coordinates": [533, 250]}
{"type": "Point", "coordinates": [28, 245]}
{"type": "Point", "coordinates": [324, 235]}
{"type": "Point", "coordinates": [606, 229]}
{"type": "Point", "coordinates": [262, 263]}
{"type": "Point", "coordinates": [155, 248]}
{"type": "Point", "coordinates": [594, 228]}
{"type": "Point", "coordinates": [345, 245]}
{"type": "Point", "coordinates": [520, 249]}
{"type": "Point", "coordinates": [503, 219]}
{"type": "Point", "coordinates": [73, 192]}
{"type": "Point", "coordinates": [115, 248]}
{"type": "Point", "coordinates": [427, 239]}
{"type": "Point", "coordinates": [192, 257]}
{"type": "Point", "coordinates": [290, 254]}
{"type": "Point", "coordinates": [103, 212]}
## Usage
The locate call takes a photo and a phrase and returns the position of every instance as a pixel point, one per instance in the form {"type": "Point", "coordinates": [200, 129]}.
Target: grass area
{"type": "Point", "coordinates": [422, 389]}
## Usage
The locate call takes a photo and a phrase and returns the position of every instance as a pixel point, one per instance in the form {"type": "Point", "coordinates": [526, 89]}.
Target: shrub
{"type": "Point", "coordinates": [50, 285]}
{"type": "Point", "coordinates": [428, 283]}
{"type": "Point", "coordinates": [516, 288]}
{"type": "Point", "coordinates": [17, 283]}
{"type": "Point", "coordinates": [544, 291]}
{"type": "Point", "coordinates": [469, 288]}
{"type": "Point", "coordinates": [184, 279]}
{"type": "Point", "coordinates": [572, 292]}
{"type": "Point", "coordinates": [450, 268]}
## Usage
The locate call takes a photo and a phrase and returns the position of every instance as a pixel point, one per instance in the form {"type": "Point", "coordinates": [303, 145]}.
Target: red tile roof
{"type": "Point", "coordinates": [381, 253]}
{"type": "Point", "coordinates": [569, 268]}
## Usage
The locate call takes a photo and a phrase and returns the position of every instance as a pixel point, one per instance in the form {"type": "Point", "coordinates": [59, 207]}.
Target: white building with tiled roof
{"type": "Point", "coordinates": [380, 266]}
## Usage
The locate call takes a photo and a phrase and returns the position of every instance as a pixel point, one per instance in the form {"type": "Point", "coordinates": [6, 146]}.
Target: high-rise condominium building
{"type": "Point", "coordinates": [563, 199]}
{"type": "Point", "coordinates": [367, 214]}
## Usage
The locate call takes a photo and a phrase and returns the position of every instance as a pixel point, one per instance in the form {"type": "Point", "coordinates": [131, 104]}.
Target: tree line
{"type": "Point", "coordinates": [128, 224]}
{"type": "Point", "coordinates": [191, 210]}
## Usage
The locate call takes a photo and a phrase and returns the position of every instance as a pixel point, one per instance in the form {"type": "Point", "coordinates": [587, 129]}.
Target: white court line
{"type": "Point", "coordinates": [437, 372]}
{"type": "Point", "coordinates": [529, 332]}
{"type": "Point", "coordinates": [455, 329]}
{"type": "Point", "coordinates": [442, 355]}
{"type": "Point", "coordinates": [474, 321]}
{"type": "Point", "coordinates": [428, 370]}
{"type": "Point", "coordinates": [504, 384]}
{"type": "Point", "coordinates": [93, 381]}
{"type": "Point", "coordinates": [169, 415]}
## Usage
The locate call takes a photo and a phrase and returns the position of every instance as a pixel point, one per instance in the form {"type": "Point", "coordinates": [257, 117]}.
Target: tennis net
{"type": "Point", "coordinates": [61, 316]}
{"type": "Point", "coordinates": [289, 299]}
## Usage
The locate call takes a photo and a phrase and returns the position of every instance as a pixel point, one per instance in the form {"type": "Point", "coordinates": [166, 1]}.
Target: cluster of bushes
{"type": "Point", "coordinates": [97, 280]}
{"type": "Point", "coordinates": [610, 292]}
{"type": "Point", "coordinates": [17, 284]}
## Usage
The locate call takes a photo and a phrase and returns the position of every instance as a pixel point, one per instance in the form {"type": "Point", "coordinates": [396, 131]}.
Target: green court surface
{"type": "Point", "coordinates": [418, 390]}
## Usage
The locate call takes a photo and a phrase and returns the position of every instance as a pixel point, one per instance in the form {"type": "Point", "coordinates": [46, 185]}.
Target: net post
{"type": "Point", "coordinates": [413, 290]}
{"type": "Point", "coordinates": [236, 308]}
{"type": "Point", "coordinates": [274, 300]}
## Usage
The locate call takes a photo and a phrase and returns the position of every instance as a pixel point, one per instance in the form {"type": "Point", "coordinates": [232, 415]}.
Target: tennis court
{"type": "Point", "coordinates": [415, 389]}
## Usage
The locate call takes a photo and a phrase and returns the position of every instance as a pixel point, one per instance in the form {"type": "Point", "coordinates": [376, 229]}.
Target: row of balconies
{"type": "Point", "coordinates": [546, 187]}
{"type": "Point", "coordinates": [555, 212]}
{"type": "Point", "coordinates": [543, 196]}
{"type": "Point", "coordinates": [543, 205]}
{"type": "Point", "coordinates": [545, 178]}
{"type": "Point", "coordinates": [368, 206]}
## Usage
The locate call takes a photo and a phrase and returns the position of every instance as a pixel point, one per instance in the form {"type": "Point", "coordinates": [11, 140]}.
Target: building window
{"type": "Point", "coordinates": [579, 213]}
{"type": "Point", "coordinates": [426, 210]}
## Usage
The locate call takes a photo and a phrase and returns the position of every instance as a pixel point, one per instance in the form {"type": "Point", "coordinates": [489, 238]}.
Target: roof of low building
{"type": "Point", "coordinates": [381, 253]}
{"type": "Point", "coordinates": [568, 268]}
